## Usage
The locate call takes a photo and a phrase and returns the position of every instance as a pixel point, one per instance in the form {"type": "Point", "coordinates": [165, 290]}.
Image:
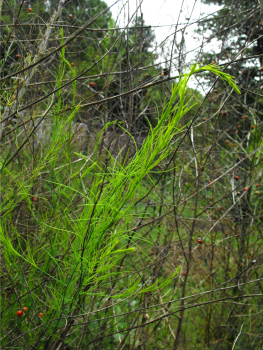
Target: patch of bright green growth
{"type": "Point", "coordinates": [93, 242]}
{"type": "Point", "coordinates": [216, 70]}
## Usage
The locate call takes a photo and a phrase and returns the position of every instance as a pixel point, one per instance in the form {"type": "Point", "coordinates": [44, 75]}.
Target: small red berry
{"type": "Point", "coordinates": [17, 56]}
{"type": "Point", "coordinates": [146, 75]}
{"type": "Point", "coordinates": [227, 141]}
{"type": "Point", "coordinates": [243, 72]}
{"type": "Point", "coordinates": [209, 181]}
{"type": "Point", "coordinates": [252, 126]}
{"type": "Point", "coordinates": [41, 315]}
{"type": "Point", "coordinates": [34, 199]}
{"type": "Point", "coordinates": [25, 309]}
{"type": "Point", "coordinates": [246, 189]}
{"type": "Point", "coordinates": [70, 16]}
{"type": "Point", "coordinates": [72, 64]}
{"type": "Point", "coordinates": [19, 313]}
{"type": "Point", "coordinates": [184, 273]}
{"type": "Point", "coordinates": [257, 185]}
{"type": "Point", "coordinates": [92, 84]}
{"type": "Point", "coordinates": [29, 9]}
{"type": "Point", "coordinates": [236, 177]}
